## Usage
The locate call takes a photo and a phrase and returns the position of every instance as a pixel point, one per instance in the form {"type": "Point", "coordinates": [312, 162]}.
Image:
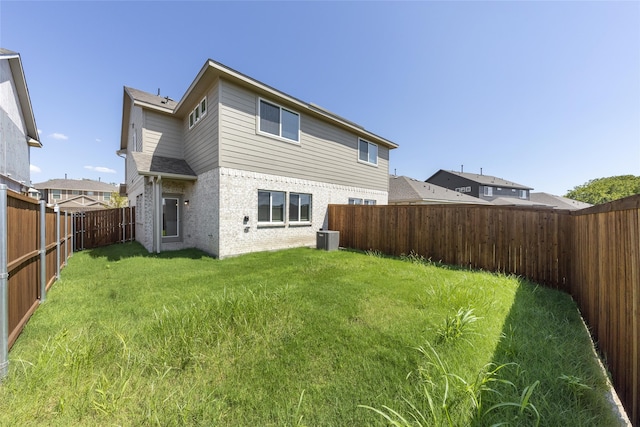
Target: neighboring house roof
{"type": "Point", "coordinates": [485, 179]}
{"type": "Point", "coordinates": [514, 201]}
{"type": "Point", "coordinates": [76, 184]}
{"type": "Point", "coordinates": [558, 202]}
{"type": "Point", "coordinates": [213, 70]}
{"type": "Point", "coordinates": [403, 189]}
{"type": "Point", "coordinates": [148, 164]}
{"type": "Point", "coordinates": [15, 63]}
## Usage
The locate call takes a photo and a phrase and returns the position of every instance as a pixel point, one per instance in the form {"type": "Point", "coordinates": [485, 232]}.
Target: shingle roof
{"type": "Point", "coordinates": [148, 98]}
{"type": "Point", "coordinates": [75, 184]}
{"type": "Point", "coordinates": [148, 164]}
{"type": "Point", "coordinates": [405, 189]}
{"type": "Point", "coordinates": [489, 180]}
{"type": "Point", "coordinates": [558, 202]}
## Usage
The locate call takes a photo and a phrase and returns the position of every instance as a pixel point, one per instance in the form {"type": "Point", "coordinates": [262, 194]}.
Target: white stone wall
{"type": "Point", "coordinates": [220, 199]}
{"type": "Point", "coordinates": [239, 198]}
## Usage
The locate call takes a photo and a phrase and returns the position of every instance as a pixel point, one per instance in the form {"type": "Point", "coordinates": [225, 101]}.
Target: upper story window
{"type": "Point", "coordinates": [367, 152]}
{"type": "Point", "coordinates": [369, 202]}
{"type": "Point", "coordinates": [106, 196]}
{"type": "Point", "coordinates": [199, 112]}
{"type": "Point", "coordinates": [355, 201]}
{"type": "Point", "coordinates": [488, 191]}
{"type": "Point", "coordinates": [278, 121]}
{"type": "Point", "coordinates": [523, 194]}
{"type": "Point", "coordinates": [55, 194]}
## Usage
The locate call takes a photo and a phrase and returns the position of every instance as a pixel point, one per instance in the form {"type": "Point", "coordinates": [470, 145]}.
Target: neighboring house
{"type": "Point", "coordinates": [485, 187]}
{"type": "Point", "coordinates": [408, 191]}
{"type": "Point", "coordinates": [558, 202]}
{"type": "Point", "coordinates": [76, 194]}
{"type": "Point", "coordinates": [18, 130]}
{"type": "Point", "coordinates": [237, 166]}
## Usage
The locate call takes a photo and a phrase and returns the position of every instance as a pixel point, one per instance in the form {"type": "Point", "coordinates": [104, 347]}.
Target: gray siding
{"type": "Point", "coordinates": [162, 135]}
{"type": "Point", "coordinates": [14, 150]}
{"type": "Point", "coordinates": [135, 119]}
{"type": "Point", "coordinates": [201, 141]}
{"type": "Point", "coordinates": [326, 153]}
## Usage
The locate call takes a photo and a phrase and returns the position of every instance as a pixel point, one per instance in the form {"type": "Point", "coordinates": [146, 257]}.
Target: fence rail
{"type": "Point", "coordinates": [35, 244]}
{"type": "Point", "coordinates": [93, 229]}
{"type": "Point", "coordinates": [593, 254]}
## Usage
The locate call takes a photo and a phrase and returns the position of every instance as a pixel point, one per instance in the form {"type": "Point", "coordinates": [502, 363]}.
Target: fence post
{"type": "Point", "coordinates": [66, 238]}
{"type": "Point", "coordinates": [43, 252]}
{"type": "Point", "coordinates": [56, 209]}
{"type": "Point", "coordinates": [4, 286]}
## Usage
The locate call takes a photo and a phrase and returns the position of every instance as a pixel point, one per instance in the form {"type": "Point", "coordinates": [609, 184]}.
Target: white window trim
{"type": "Point", "coordinates": [301, 222]}
{"type": "Point", "coordinates": [270, 135]}
{"type": "Point", "coordinates": [285, 212]}
{"type": "Point", "coordinates": [488, 191]}
{"type": "Point", "coordinates": [367, 162]}
{"type": "Point", "coordinates": [197, 112]}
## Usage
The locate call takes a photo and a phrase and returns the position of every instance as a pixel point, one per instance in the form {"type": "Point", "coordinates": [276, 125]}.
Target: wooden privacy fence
{"type": "Point", "coordinates": [593, 254]}
{"type": "Point", "coordinates": [35, 242]}
{"type": "Point", "coordinates": [103, 227]}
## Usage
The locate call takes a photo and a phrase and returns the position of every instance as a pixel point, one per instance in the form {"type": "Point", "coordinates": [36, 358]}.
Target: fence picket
{"type": "Point", "coordinates": [593, 254]}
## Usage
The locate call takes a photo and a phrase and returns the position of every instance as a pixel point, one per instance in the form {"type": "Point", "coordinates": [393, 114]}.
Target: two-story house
{"type": "Point", "coordinates": [76, 194]}
{"type": "Point", "coordinates": [18, 130]}
{"type": "Point", "coordinates": [485, 187]}
{"type": "Point", "coordinates": [237, 166]}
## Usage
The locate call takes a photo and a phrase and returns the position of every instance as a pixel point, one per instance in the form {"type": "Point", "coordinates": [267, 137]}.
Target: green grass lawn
{"type": "Point", "coordinates": [298, 337]}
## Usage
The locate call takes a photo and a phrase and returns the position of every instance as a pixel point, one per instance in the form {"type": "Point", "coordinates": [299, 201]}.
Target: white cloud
{"type": "Point", "coordinates": [59, 136]}
{"type": "Point", "coordinates": [34, 169]}
{"type": "Point", "coordinates": [98, 140]}
{"type": "Point", "coordinates": [100, 169]}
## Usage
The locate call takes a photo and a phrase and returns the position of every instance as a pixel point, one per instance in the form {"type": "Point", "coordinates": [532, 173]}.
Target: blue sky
{"type": "Point", "coordinates": [543, 93]}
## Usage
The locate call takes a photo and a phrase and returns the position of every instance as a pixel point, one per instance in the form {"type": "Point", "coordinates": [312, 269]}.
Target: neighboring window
{"type": "Point", "coordinates": [107, 196]}
{"type": "Point", "coordinates": [299, 207]}
{"type": "Point", "coordinates": [271, 206]}
{"type": "Point", "coordinates": [488, 191]}
{"type": "Point", "coordinates": [75, 192]}
{"type": "Point", "coordinates": [89, 193]}
{"type": "Point", "coordinates": [355, 201]}
{"type": "Point", "coordinates": [523, 194]}
{"type": "Point", "coordinates": [369, 202]}
{"type": "Point", "coordinates": [55, 194]}
{"type": "Point", "coordinates": [279, 121]}
{"type": "Point", "coordinates": [463, 189]}
{"type": "Point", "coordinates": [198, 113]}
{"type": "Point", "coordinates": [170, 217]}
{"type": "Point", "coordinates": [368, 152]}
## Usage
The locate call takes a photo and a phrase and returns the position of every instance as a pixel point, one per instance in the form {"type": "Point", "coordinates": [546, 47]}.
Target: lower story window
{"type": "Point", "coordinates": [270, 206]}
{"type": "Point", "coordinates": [170, 217]}
{"type": "Point", "coordinates": [299, 207]}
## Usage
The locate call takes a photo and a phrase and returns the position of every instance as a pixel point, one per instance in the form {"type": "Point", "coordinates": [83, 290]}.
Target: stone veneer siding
{"type": "Point", "coordinates": [220, 199]}
{"type": "Point", "coordinates": [239, 198]}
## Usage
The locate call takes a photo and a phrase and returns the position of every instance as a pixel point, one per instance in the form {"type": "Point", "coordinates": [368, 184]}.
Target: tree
{"type": "Point", "coordinates": [117, 201]}
{"type": "Point", "coordinates": [603, 190]}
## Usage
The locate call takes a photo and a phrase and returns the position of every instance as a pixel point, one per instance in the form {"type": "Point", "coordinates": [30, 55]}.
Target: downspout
{"type": "Point", "coordinates": [159, 212]}
{"type": "Point", "coordinates": [154, 208]}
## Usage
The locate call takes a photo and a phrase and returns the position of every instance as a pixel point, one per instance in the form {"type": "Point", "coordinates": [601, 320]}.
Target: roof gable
{"type": "Point", "coordinates": [15, 64]}
{"type": "Point", "coordinates": [212, 71]}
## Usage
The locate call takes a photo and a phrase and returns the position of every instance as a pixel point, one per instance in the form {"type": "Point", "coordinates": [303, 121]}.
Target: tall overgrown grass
{"type": "Point", "coordinates": [298, 337]}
